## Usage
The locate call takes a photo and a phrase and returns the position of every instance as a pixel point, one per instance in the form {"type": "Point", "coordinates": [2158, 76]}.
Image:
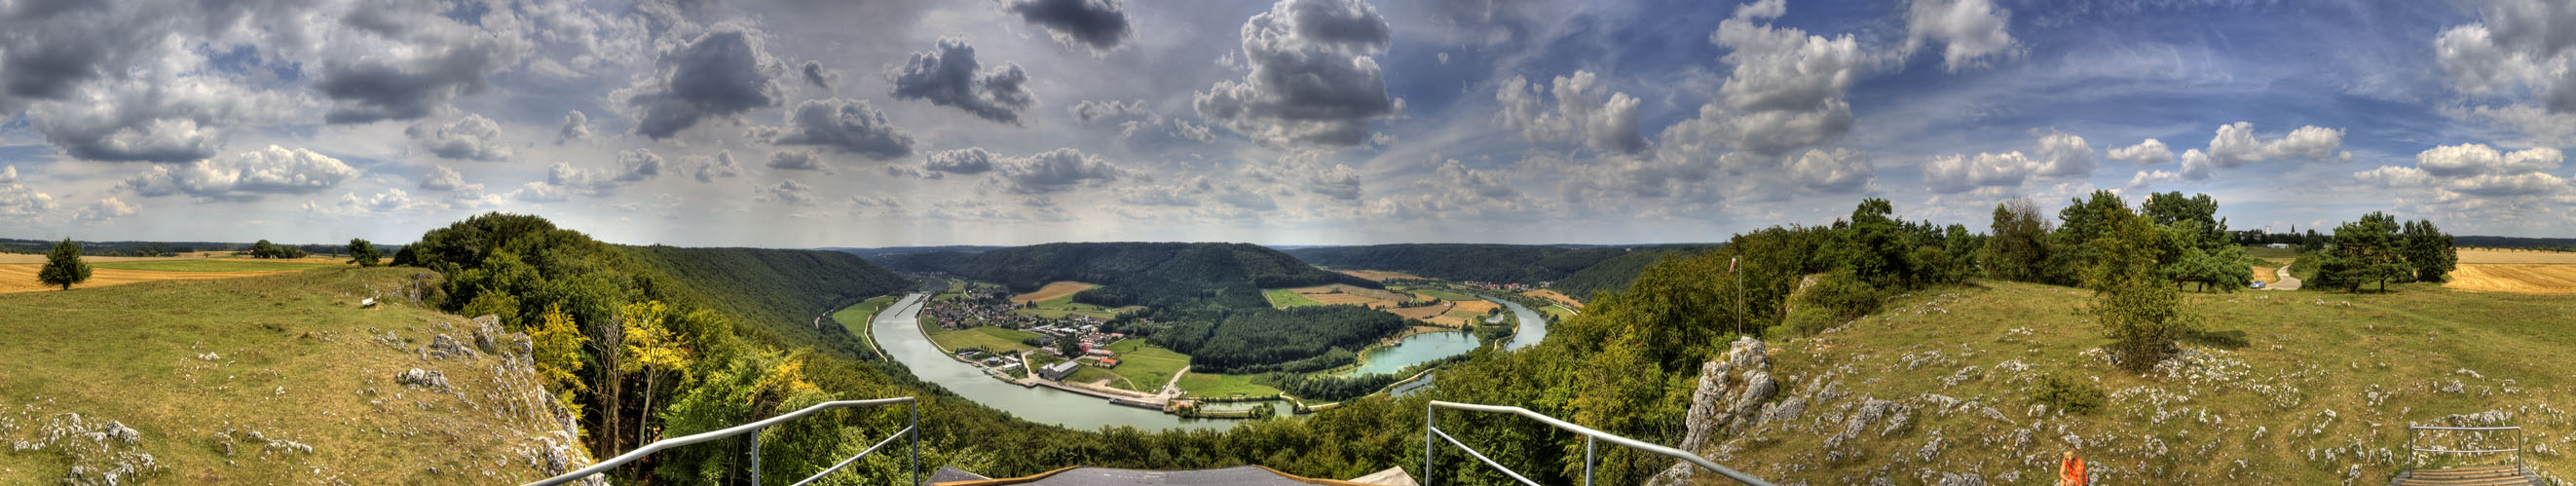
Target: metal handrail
{"type": "Point", "coordinates": [1431, 430]}
{"type": "Point", "coordinates": [2521, 441]}
{"type": "Point", "coordinates": [754, 429]}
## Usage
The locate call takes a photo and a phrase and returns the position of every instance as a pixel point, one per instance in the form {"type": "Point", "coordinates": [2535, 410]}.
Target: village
{"type": "Point", "coordinates": [1053, 349]}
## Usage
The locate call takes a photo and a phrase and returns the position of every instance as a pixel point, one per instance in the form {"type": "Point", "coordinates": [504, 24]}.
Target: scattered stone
{"type": "Point", "coordinates": [1949, 479]}
{"type": "Point", "coordinates": [118, 430]}
{"type": "Point", "coordinates": [422, 378]}
{"type": "Point", "coordinates": [210, 356]}
{"type": "Point", "coordinates": [444, 347]}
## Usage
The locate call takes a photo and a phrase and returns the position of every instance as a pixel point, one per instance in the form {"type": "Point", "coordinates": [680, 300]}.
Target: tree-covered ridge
{"type": "Point", "coordinates": [777, 292]}
{"type": "Point", "coordinates": [1160, 275]}
{"type": "Point", "coordinates": [1616, 273]}
{"type": "Point", "coordinates": [1261, 340]}
{"type": "Point", "coordinates": [1521, 264]}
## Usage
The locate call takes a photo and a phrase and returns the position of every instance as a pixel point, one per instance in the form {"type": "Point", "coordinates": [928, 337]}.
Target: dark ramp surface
{"type": "Point", "coordinates": [1093, 476]}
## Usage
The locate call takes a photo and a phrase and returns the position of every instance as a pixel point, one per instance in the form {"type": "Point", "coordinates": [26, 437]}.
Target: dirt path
{"type": "Point", "coordinates": [2287, 282]}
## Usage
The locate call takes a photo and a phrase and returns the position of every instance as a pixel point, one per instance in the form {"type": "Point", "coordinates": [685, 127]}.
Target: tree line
{"type": "Point", "coordinates": [1259, 339]}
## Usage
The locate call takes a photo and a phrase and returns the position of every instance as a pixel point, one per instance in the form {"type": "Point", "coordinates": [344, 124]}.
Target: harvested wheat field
{"type": "Point", "coordinates": [1478, 306]}
{"type": "Point", "coordinates": [22, 277]}
{"type": "Point", "coordinates": [1424, 312]}
{"type": "Point", "coordinates": [2264, 274]}
{"type": "Point", "coordinates": [1381, 275]}
{"type": "Point", "coordinates": [1558, 297]}
{"type": "Point", "coordinates": [2524, 279]}
{"type": "Point", "coordinates": [1051, 291]}
{"type": "Point", "coordinates": [1343, 294]}
{"type": "Point", "coordinates": [2469, 256]}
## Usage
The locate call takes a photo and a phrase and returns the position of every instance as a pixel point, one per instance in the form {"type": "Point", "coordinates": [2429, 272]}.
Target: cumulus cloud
{"type": "Point", "coordinates": [168, 119]}
{"type": "Point", "coordinates": [2476, 159]}
{"type": "Point", "coordinates": [1838, 170]}
{"type": "Point", "coordinates": [1960, 173]}
{"type": "Point", "coordinates": [1312, 76]}
{"type": "Point", "coordinates": [2521, 48]}
{"type": "Point", "coordinates": [2236, 145]}
{"type": "Point", "coordinates": [20, 202]}
{"type": "Point", "coordinates": [790, 192]}
{"type": "Point", "coordinates": [1787, 88]}
{"type": "Point", "coordinates": [966, 161]}
{"type": "Point", "coordinates": [2150, 152]}
{"type": "Point", "coordinates": [2393, 177]}
{"type": "Point", "coordinates": [1100, 25]}
{"type": "Point", "coordinates": [245, 176]}
{"type": "Point", "coordinates": [632, 166]}
{"type": "Point", "coordinates": [441, 178]}
{"type": "Point", "coordinates": [1972, 32]}
{"type": "Point", "coordinates": [818, 76]}
{"type": "Point", "coordinates": [419, 60]}
{"type": "Point", "coordinates": [708, 169]}
{"type": "Point", "coordinates": [2508, 185]}
{"type": "Point", "coordinates": [106, 209]}
{"type": "Point", "coordinates": [471, 138]}
{"type": "Point", "coordinates": [1088, 111]}
{"type": "Point", "coordinates": [797, 159]}
{"type": "Point", "coordinates": [949, 76]}
{"type": "Point", "coordinates": [1055, 171]}
{"type": "Point", "coordinates": [540, 191]}
{"type": "Point", "coordinates": [9, 174]}
{"type": "Point", "coordinates": [2195, 165]}
{"type": "Point", "coordinates": [2063, 155]}
{"type": "Point", "coordinates": [576, 126]}
{"type": "Point", "coordinates": [717, 76]}
{"type": "Point", "coordinates": [850, 126]}
{"type": "Point", "coordinates": [1605, 124]}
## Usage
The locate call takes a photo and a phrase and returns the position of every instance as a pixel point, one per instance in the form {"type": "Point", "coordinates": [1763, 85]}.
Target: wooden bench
{"type": "Point", "coordinates": [2467, 476]}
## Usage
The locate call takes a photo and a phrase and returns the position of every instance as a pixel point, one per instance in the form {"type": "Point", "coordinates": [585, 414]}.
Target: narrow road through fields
{"type": "Point", "coordinates": [2287, 282]}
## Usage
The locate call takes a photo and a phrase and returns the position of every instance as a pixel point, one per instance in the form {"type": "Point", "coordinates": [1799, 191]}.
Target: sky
{"type": "Point", "coordinates": [813, 123]}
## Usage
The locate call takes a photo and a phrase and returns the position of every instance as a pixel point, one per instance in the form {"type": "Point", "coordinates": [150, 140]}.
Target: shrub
{"type": "Point", "coordinates": [1844, 294]}
{"type": "Point", "coordinates": [2073, 396]}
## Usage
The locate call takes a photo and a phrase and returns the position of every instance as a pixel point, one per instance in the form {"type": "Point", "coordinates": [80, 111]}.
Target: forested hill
{"type": "Point", "coordinates": [1163, 275]}
{"type": "Point", "coordinates": [778, 292]}
{"type": "Point", "coordinates": [1616, 273]}
{"type": "Point", "coordinates": [1523, 264]}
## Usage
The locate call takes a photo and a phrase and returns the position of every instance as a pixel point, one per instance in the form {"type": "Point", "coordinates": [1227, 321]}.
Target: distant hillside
{"type": "Point", "coordinates": [1163, 275]}
{"type": "Point", "coordinates": [1576, 270]}
{"type": "Point", "coordinates": [774, 294]}
{"type": "Point", "coordinates": [874, 254]}
{"type": "Point", "coordinates": [1615, 273]}
{"type": "Point", "coordinates": [2557, 244]}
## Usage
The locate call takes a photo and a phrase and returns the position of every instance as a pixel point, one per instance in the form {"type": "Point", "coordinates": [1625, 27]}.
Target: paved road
{"type": "Point", "coordinates": [2287, 282]}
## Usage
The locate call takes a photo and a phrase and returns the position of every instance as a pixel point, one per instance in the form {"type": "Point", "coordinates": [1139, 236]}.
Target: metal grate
{"type": "Point", "coordinates": [913, 430]}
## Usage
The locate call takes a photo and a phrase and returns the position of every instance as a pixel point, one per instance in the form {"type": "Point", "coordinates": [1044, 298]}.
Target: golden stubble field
{"type": "Point", "coordinates": [18, 271]}
{"type": "Point", "coordinates": [2528, 272]}
{"type": "Point", "coordinates": [1051, 291]}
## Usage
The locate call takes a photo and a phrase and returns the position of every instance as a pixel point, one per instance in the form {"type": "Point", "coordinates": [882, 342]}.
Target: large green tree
{"type": "Point", "coordinates": [2428, 251]}
{"type": "Point", "coordinates": [2142, 315]}
{"type": "Point", "coordinates": [63, 266]}
{"type": "Point", "coordinates": [2020, 247]}
{"type": "Point", "coordinates": [364, 253]}
{"type": "Point", "coordinates": [2366, 251]}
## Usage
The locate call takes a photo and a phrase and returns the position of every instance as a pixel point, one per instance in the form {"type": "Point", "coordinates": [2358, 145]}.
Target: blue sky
{"type": "Point", "coordinates": [891, 123]}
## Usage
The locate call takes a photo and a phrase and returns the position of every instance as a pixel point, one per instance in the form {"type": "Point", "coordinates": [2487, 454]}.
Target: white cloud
{"type": "Point", "coordinates": [1839, 170]}
{"type": "Point", "coordinates": [247, 175]}
{"type": "Point", "coordinates": [471, 138]}
{"type": "Point", "coordinates": [441, 178]}
{"type": "Point", "coordinates": [576, 126]}
{"type": "Point", "coordinates": [1972, 32]}
{"type": "Point", "coordinates": [2504, 185]}
{"type": "Point", "coordinates": [708, 169]}
{"type": "Point", "coordinates": [20, 202]}
{"type": "Point", "coordinates": [2063, 155]}
{"type": "Point", "coordinates": [2474, 159]}
{"type": "Point", "coordinates": [797, 159]}
{"type": "Point", "coordinates": [540, 191]}
{"type": "Point", "coordinates": [2519, 50]}
{"type": "Point", "coordinates": [1055, 170]}
{"type": "Point", "coordinates": [1960, 173]}
{"type": "Point", "coordinates": [9, 175]}
{"type": "Point", "coordinates": [2236, 145]}
{"type": "Point", "coordinates": [1605, 124]}
{"type": "Point", "coordinates": [106, 209]}
{"type": "Point", "coordinates": [1313, 78]}
{"type": "Point", "coordinates": [2195, 165]}
{"type": "Point", "coordinates": [789, 192]}
{"type": "Point", "coordinates": [1787, 89]}
{"type": "Point", "coordinates": [2150, 152]}
{"type": "Point", "coordinates": [2393, 177]}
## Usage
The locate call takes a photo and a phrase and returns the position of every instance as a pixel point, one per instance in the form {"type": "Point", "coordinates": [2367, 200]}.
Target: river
{"type": "Point", "coordinates": [898, 330]}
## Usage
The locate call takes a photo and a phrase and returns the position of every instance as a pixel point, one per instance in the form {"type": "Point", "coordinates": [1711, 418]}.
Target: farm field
{"type": "Point", "coordinates": [2264, 274]}
{"type": "Point", "coordinates": [1553, 295]}
{"type": "Point", "coordinates": [1052, 291]}
{"type": "Point", "coordinates": [22, 277]}
{"type": "Point", "coordinates": [1381, 275]}
{"type": "Point", "coordinates": [1559, 311]}
{"type": "Point", "coordinates": [992, 338]}
{"type": "Point", "coordinates": [1424, 312]}
{"type": "Point", "coordinates": [2468, 256]}
{"type": "Point", "coordinates": [1445, 295]}
{"type": "Point", "coordinates": [1458, 317]}
{"type": "Point", "coordinates": [855, 317]}
{"type": "Point", "coordinates": [1145, 365]}
{"type": "Point", "coordinates": [1336, 294]}
{"type": "Point", "coordinates": [2522, 278]}
{"type": "Point", "coordinates": [1210, 385]}
{"type": "Point", "coordinates": [216, 265]}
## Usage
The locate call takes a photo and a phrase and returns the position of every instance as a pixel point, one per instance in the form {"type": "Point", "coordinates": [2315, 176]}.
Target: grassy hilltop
{"type": "Point", "coordinates": [2278, 388]}
{"type": "Point", "coordinates": [272, 379]}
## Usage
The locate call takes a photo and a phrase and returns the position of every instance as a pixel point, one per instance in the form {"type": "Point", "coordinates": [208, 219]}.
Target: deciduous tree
{"type": "Point", "coordinates": [364, 253]}
{"type": "Point", "coordinates": [63, 266]}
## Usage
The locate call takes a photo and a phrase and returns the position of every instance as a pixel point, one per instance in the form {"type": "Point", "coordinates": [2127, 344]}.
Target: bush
{"type": "Point", "coordinates": [1806, 322]}
{"type": "Point", "coordinates": [2066, 394]}
{"type": "Point", "coordinates": [1843, 294]}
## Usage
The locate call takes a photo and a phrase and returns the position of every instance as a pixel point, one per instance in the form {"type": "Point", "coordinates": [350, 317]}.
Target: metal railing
{"type": "Point", "coordinates": [913, 430]}
{"type": "Point", "coordinates": [2520, 441]}
{"type": "Point", "coordinates": [1431, 429]}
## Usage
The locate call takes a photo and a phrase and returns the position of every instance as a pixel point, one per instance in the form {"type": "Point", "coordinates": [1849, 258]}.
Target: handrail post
{"type": "Point", "coordinates": [755, 456]}
{"type": "Point", "coordinates": [1427, 428]}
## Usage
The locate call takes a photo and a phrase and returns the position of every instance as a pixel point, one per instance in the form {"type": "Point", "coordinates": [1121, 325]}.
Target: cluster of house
{"type": "Point", "coordinates": [1508, 287]}
{"type": "Point", "coordinates": [994, 311]}
{"type": "Point", "coordinates": [989, 360]}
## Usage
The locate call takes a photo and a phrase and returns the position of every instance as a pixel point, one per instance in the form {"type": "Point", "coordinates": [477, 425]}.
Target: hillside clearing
{"type": "Point", "coordinates": [1145, 366]}
{"type": "Point", "coordinates": [1286, 298]}
{"type": "Point", "coordinates": [278, 379]}
{"type": "Point", "coordinates": [1052, 291]}
{"type": "Point", "coordinates": [2275, 389]}
{"type": "Point", "coordinates": [1203, 385]}
{"type": "Point", "coordinates": [2527, 279]}
{"type": "Point", "coordinates": [1558, 297]}
{"type": "Point", "coordinates": [991, 338]}
{"type": "Point", "coordinates": [22, 277]}
{"type": "Point", "coordinates": [1335, 294]}
{"type": "Point", "coordinates": [1423, 312]}
{"type": "Point", "coordinates": [1381, 275]}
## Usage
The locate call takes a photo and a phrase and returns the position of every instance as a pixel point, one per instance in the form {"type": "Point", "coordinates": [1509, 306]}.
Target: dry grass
{"type": "Point", "coordinates": [22, 277]}
{"type": "Point", "coordinates": [1381, 275]}
{"type": "Point", "coordinates": [1558, 297]}
{"type": "Point", "coordinates": [2469, 256]}
{"type": "Point", "coordinates": [1340, 294]}
{"type": "Point", "coordinates": [9, 258]}
{"type": "Point", "coordinates": [2525, 279]}
{"type": "Point", "coordinates": [1478, 306]}
{"type": "Point", "coordinates": [1051, 291]}
{"type": "Point", "coordinates": [2264, 274]}
{"type": "Point", "coordinates": [1424, 312]}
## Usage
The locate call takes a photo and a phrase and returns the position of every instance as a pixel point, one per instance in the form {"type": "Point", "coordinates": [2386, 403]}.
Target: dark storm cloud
{"type": "Point", "coordinates": [968, 161]}
{"type": "Point", "coordinates": [1099, 24]}
{"type": "Point", "coordinates": [438, 59]}
{"type": "Point", "coordinates": [721, 74]}
{"type": "Point", "coordinates": [1312, 79]}
{"type": "Point", "coordinates": [816, 75]}
{"type": "Point", "coordinates": [850, 126]}
{"type": "Point", "coordinates": [948, 76]}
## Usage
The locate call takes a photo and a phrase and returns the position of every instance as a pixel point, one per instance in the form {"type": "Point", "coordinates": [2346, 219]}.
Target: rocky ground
{"type": "Point", "coordinates": [2281, 388]}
